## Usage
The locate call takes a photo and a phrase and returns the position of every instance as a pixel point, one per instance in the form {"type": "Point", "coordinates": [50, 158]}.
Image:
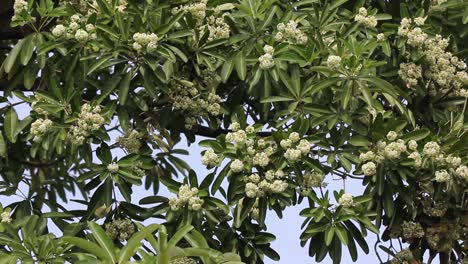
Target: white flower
{"type": "Point", "coordinates": [236, 166]}
{"type": "Point", "coordinates": [261, 159]}
{"type": "Point", "coordinates": [81, 35]}
{"type": "Point", "coordinates": [312, 179]}
{"type": "Point", "coordinates": [250, 129]}
{"type": "Point", "coordinates": [346, 200]}
{"type": "Point", "coordinates": [113, 167]}
{"type": "Point", "coordinates": [59, 30]}
{"type": "Point", "coordinates": [420, 20]}
{"type": "Point", "coordinates": [39, 128]}
{"type": "Point", "coordinates": [131, 142]}
{"type": "Point", "coordinates": [235, 126]}
{"type": "Point", "coordinates": [431, 149]}
{"type": "Point", "coordinates": [333, 62]}
{"type": "Point", "coordinates": [392, 135]}
{"type": "Point", "coordinates": [251, 190]}
{"type": "Point", "coordinates": [369, 168]}
{"type": "Point", "coordinates": [266, 61]}
{"type": "Point", "coordinates": [369, 155]}
{"type": "Point", "coordinates": [380, 37]}
{"type": "Point", "coordinates": [294, 137]}
{"type": "Point", "coordinates": [412, 145]}
{"type": "Point", "coordinates": [268, 49]}
{"type": "Point", "coordinates": [255, 178]}
{"type": "Point", "coordinates": [285, 143]}
{"type": "Point", "coordinates": [6, 218]}
{"type": "Point", "coordinates": [462, 171]}
{"type": "Point", "coordinates": [210, 158]}
{"type": "Point", "coordinates": [453, 161]}
{"type": "Point", "coordinates": [363, 11]}
{"type": "Point", "coordinates": [410, 73]}
{"type": "Point", "coordinates": [417, 158]}
{"type": "Point", "coordinates": [293, 155]}
{"type": "Point", "coordinates": [442, 176]}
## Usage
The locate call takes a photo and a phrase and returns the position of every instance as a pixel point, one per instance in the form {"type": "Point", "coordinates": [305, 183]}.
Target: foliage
{"type": "Point", "coordinates": [284, 95]}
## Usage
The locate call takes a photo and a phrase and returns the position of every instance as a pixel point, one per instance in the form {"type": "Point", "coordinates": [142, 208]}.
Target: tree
{"type": "Point", "coordinates": [282, 94]}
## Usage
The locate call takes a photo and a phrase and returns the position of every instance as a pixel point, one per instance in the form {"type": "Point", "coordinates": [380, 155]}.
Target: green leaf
{"type": "Point", "coordinates": [317, 87]}
{"type": "Point", "coordinates": [3, 150]}
{"type": "Point", "coordinates": [359, 141]}
{"type": "Point", "coordinates": [98, 63]}
{"type": "Point", "coordinates": [416, 135]}
{"type": "Point", "coordinates": [342, 234]}
{"type": "Point", "coordinates": [135, 241]}
{"type": "Point", "coordinates": [88, 246]}
{"type": "Point", "coordinates": [226, 71]}
{"type": "Point", "coordinates": [272, 99]}
{"type": "Point", "coordinates": [329, 233]}
{"type": "Point", "coordinates": [179, 235]}
{"type": "Point", "coordinates": [12, 56]}
{"type": "Point", "coordinates": [124, 87]}
{"type": "Point", "coordinates": [10, 125]}
{"type": "Point", "coordinates": [104, 241]}
{"type": "Point", "coordinates": [241, 67]}
{"type": "Point", "coordinates": [28, 49]}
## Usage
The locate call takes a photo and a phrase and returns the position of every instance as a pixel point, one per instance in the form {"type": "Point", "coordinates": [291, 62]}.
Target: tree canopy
{"type": "Point", "coordinates": [283, 96]}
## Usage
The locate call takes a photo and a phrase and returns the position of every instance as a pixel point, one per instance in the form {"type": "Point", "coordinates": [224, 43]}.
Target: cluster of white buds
{"type": "Point", "coordinates": [197, 10]}
{"type": "Point", "coordinates": [431, 149]}
{"type": "Point", "coordinates": [436, 5]}
{"type": "Point", "coordinates": [132, 142]}
{"type": "Point", "coordinates": [217, 27]}
{"type": "Point", "coordinates": [403, 257]}
{"type": "Point", "coordinates": [362, 17]}
{"type": "Point", "coordinates": [210, 158]}
{"type": "Point", "coordinates": [442, 176]}
{"type": "Point", "coordinates": [394, 149]}
{"type": "Point", "coordinates": [410, 73]}
{"type": "Point", "coordinates": [346, 200]}
{"type": "Point", "coordinates": [120, 229]}
{"type": "Point", "coordinates": [39, 128]}
{"type": "Point", "coordinates": [416, 37]}
{"type": "Point", "coordinates": [193, 103]}
{"type": "Point", "coordinates": [266, 60]}
{"type": "Point", "coordinates": [311, 180]}
{"type": "Point", "coordinates": [89, 120]}
{"type": "Point", "coordinates": [380, 37]}
{"type": "Point", "coordinates": [20, 8]}
{"type": "Point", "coordinates": [138, 169]}
{"type": "Point", "coordinates": [113, 167]}
{"type": "Point", "coordinates": [271, 182]}
{"type": "Point", "coordinates": [369, 168]}
{"type": "Point", "coordinates": [185, 196]}
{"type": "Point", "coordinates": [237, 166]}
{"type": "Point", "coordinates": [462, 171]}
{"type": "Point", "coordinates": [295, 148]}
{"type": "Point", "coordinates": [392, 135]}
{"type": "Point", "coordinates": [76, 29]}
{"type": "Point", "coordinates": [290, 32]}
{"type": "Point", "coordinates": [334, 62]}
{"type": "Point", "coordinates": [453, 161]}
{"type": "Point", "coordinates": [5, 217]}
{"type": "Point", "coordinates": [149, 42]}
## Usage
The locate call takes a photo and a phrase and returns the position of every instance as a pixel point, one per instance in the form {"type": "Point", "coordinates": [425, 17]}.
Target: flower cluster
{"type": "Point", "coordinates": [89, 120]}
{"type": "Point", "coordinates": [217, 27]}
{"type": "Point", "coordinates": [5, 217]}
{"type": "Point", "coordinates": [210, 158]}
{"type": "Point", "coordinates": [120, 229]}
{"type": "Point", "coordinates": [193, 103]}
{"type": "Point", "coordinates": [122, 5]}
{"type": "Point", "coordinates": [367, 20]}
{"type": "Point", "coordinates": [410, 73]}
{"type": "Point", "coordinates": [132, 142]}
{"type": "Point", "coordinates": [185, 196]}
{"type": "Point", "coordinates": [403, 257]}
{"type": "Point", "coordinates": [295, 148]}
{"type": "Point", "coordinates": [149, 42]}
{"type": "Point", "coordinates": [334, 62]}
{"type": "Point", "coordinates": [346, 200]}
{"type": "Point", "coordinates": [412, 230]}
{"type": "Point", "coordinates": [311, 180]}
{"type": "Point", "coordinates": [290, 32]}
{"type": "Point", "coordinates": [446, 71]}
{"type": "Point", "coordinates": [77, 29]}
{"type": "Point", "coordinates": [197, 10]}
{"type": "Point", "coordinates": [113, 167]}
{"type": "Point", "coordinates": [271, 182]}
{"type": "Point", "coordinates": [39, 128]}
{"type": "Point", "coordinates": [266, 60]}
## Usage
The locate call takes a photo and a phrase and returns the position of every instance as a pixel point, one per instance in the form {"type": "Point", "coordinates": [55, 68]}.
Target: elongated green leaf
{"type": "Point", "coordinates": [329, 233]}
{"type": "Point", "coordinates": [3, 150]}
{"type": "Point", "coordinates": [104, 241]}
{"type": "Point", "coordinates": [317, 87]}
{"type": "Point", "coordinates": [273, 99]}
{"type": "Point", "coordinates": [135, 241]}
{"type": "Point", "coordinates": [241, 67]}
{"type": "Point", "coordinates": [178, 236]}
{"type": "Point", "coordinates": [226, 71]}
{"type": "Point", "coordinates": [97, 64]}
{"type": "Point", "coordinates": [28, 49]}
{"type": "Point", "coordinates": [10, 125]}
{"type": "Point", "coordinates": [12, 56]}
{"type": "Point", "coordinates": [88, 246]}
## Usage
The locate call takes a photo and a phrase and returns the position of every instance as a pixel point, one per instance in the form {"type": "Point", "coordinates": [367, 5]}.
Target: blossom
{"type": "Point", "coordinates": [81, 35]}
{"type": "Point", "coordinates": [89, 120]}
{"type": "Point", "coordinates": [417, 158]}
{"type": "Point", "coordinates": [292, 155]}
{"type": "Point", "coordinates": [410, 73]}
{"type": "Point", "coordinates": [392, 135]}
{"type": "Point", "coordinates": [39, 128]}
{"type": "Point", "coordinates": [369, 168]}
{"type": "Point", "coordinates": [5, 217]}
{"type": "Point", "coordinates": [237, 166]}
{"type": "Point", "coordinates": [266, 60]}
{"type": "Point", "coordinates": [290, 32]}
{"type": "Point", "coordinates": [210, 158]}
{"type": "Point", "coordinates": [186, 195]}
{"type": "Point", "coordinates": [120, 229]}
{"type": "Point", "coordinates": [369, 155]}
{"type": "Point", "coordinates": [333, 62]}
{"type": "Point", "coordinates": [462, 171]}
{"type": "Point", "coordinates": [131, 142]}
{"type": "Point", "coordinates": [144, 40]}
{"type": "Point", "coordinates": [294, 137]}
{"type": "Point", "coordinates": [346, 200]}
{"type": "Point", "coordinates": [442, 176]}
{"type": "Point", "coordinates": [261, 159]}
{"type": "Point", "coordinates": [412, 145]}
{"type": "Point", "coordinates": [113, 167]}
{"type": "Point", "coordinates": [362, 17]}
{"type": "Point", "coordinates": [431, 149]}
{"type": "Point", "coordinates": [59, 30]}
{"type": "Point", "coordinates": [453, 161]}
{"type": "Point", "coordinates": [380, 37]}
